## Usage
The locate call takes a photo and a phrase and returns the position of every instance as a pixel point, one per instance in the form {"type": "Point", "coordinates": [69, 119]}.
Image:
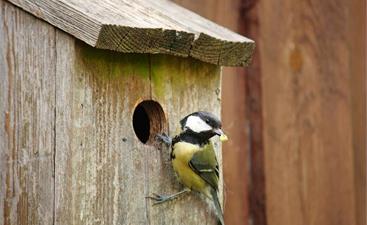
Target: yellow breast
{"type": "Point", "coordinates": [183, 153]}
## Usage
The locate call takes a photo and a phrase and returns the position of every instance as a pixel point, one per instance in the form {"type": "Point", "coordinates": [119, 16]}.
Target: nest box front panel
{"type": "Point", "coordinates": [104, 171]}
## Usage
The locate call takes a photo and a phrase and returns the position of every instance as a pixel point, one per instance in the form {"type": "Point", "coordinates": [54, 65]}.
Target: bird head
{"type": "Point", "coordinates": [203, 124]}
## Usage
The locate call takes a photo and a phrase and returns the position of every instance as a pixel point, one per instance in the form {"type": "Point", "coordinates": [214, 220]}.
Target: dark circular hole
{"type": "Point", "coordinates": [141, 124]}
{"type": "Point", "coordinates": [148, 120]}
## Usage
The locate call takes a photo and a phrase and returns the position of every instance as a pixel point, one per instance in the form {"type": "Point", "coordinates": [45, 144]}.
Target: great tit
{"type": "Point", "coordinates": [193, 157]}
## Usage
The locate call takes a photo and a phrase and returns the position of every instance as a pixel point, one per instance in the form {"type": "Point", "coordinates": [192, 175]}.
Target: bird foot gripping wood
{"type": "Point", "coordinates": [159, 199]}
{"type": "Point", "coordinates": [164, 138]}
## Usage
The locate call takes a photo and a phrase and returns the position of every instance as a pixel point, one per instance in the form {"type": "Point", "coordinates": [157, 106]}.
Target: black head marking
{"type": "Point", "coordinates": [208, 117]}
{"type": "Point", "coordinates": [203, 137]}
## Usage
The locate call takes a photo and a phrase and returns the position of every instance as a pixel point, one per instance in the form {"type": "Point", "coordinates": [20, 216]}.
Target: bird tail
{"type": "Point", "coordinates": [218, 209]}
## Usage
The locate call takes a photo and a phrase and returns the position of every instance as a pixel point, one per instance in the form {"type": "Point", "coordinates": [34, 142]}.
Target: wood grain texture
{"type": "Point", "coordinates": [309, 165]}
{"type": "Point", "coordinates": [101, 177]}
{"type": "Point", "coordinates": [234, 116]}
{"type": "Point", "coordinates": [196, 83]}
{"type": "Point", "coordinates": [358, 86]}
{"type": "Point", "coordinates": [27, 132]}
{"type": "Point", "coordinates": [144, 26]}
{"type": "Point", "coordinates": [105, 172]}
{"type": "Point", "coordinates": [69, 154]}
{"type": "Point", "coordinates": [249, 25]}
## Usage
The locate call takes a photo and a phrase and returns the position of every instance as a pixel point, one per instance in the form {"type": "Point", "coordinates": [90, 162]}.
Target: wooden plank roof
{"type": "Point", "coordinates": [144, 26]}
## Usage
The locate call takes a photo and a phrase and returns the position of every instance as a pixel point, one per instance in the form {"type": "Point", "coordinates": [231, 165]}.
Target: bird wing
{"type": "Point", "coordinates": [205, 164]}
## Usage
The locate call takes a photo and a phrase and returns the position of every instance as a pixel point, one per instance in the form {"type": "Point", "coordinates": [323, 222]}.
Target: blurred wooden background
{"type": "Point", "coordinates": [297, 116]}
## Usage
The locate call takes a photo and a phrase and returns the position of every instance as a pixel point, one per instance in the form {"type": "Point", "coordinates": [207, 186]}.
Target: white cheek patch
{"type": "Point", "coordinates": [196, 124]}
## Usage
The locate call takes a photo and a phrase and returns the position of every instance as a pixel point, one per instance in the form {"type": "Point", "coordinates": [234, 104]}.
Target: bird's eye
{"type": "Point", "coordinates": [207, 121]}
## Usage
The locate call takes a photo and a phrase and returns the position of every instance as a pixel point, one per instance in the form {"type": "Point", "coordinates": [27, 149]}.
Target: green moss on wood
{"type": "Point", "coordinates": [112, 65]}
{"type": "Point", "coordinates": [139, 77]}
{"type": "Point", "coordinates": [180, 73]}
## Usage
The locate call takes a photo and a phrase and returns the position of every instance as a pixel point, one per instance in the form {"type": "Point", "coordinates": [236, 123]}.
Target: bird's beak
{"type": "Point", "coordinates": [222, 136]}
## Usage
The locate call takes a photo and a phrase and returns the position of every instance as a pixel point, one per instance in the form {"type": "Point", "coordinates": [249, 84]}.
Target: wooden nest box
{"type": "Point", "coordinates": [84, 87]}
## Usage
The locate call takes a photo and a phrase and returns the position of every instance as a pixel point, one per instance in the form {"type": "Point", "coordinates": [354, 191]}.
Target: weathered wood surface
{"type": "Point", "coordinates": [358, 86]}
{"type": "Point", "coordinates": [69, 154]}
{"type": "Point", "coordinates": [358, 74]}
{"type": "Point", "coordinates": [144, 26]}
{"type": "Point", "coordinates": [234, 116]}
{"type": "Point", "coordinates": [197, 85]}
{"type": "Point", "coordinates": [27, 118]}
{"type": "Point", "coordinates": [249, 25]}
{"type": "Point", "coordinates": [309, 165]}
{"type": "Point", "coordinates": [100, 178]}
{"type": "Point", "coordinates": [106, 172]}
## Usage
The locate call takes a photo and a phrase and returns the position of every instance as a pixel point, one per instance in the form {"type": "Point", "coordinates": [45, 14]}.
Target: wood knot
{"type": "Point", "coordinates": [296, 60]}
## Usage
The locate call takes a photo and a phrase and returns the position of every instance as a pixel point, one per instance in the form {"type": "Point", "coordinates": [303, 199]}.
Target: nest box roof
{"type": "Point", "coordinates": [144, 26]}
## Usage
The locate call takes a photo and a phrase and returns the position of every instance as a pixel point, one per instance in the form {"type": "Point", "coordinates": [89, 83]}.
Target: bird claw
{"type": "Point", "coordinates": [163, 138]}
{"type": "Point", "coordinates": [158, 198]}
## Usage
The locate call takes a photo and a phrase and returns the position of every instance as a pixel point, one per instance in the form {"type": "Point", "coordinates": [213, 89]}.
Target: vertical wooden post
{"type": "Point", "coordinates": [358, 86]}
{"type": "Point", "coordinates": [249, 24]}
